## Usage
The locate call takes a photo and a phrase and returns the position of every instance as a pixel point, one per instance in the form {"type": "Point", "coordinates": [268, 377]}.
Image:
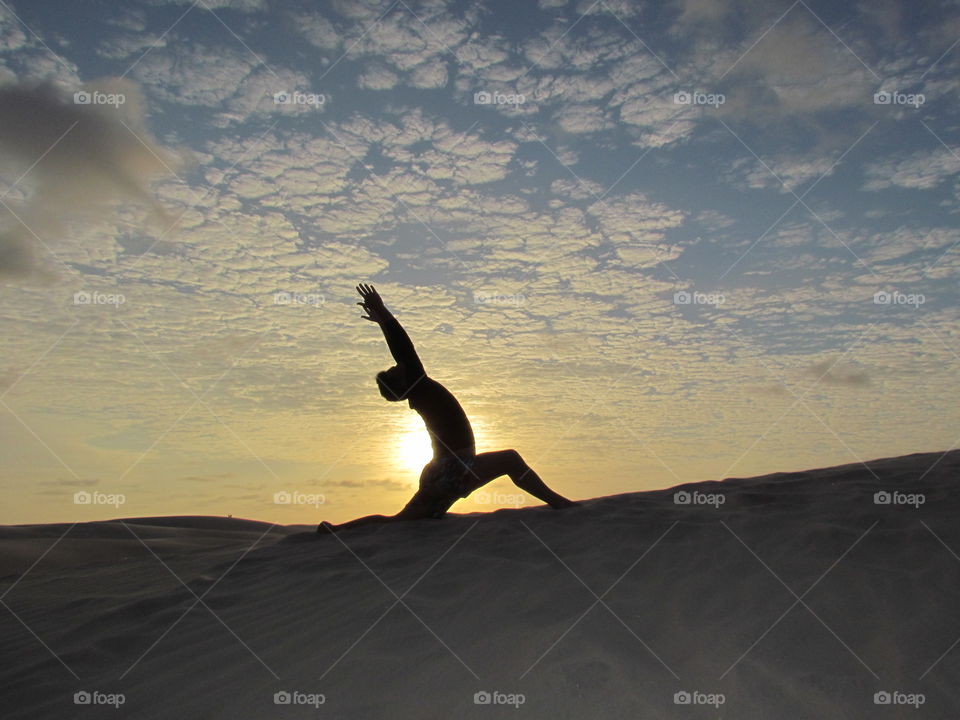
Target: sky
{"type": "Point", "coordinates": [643, 243]}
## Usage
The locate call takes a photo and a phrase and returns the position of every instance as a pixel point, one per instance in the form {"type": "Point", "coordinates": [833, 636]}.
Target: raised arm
{"type": "Point", "coordinates": [401, 347]}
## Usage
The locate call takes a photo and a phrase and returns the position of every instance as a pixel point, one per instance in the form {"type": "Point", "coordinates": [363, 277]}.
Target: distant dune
{"type": "Point", "coordinates": [828, 593]}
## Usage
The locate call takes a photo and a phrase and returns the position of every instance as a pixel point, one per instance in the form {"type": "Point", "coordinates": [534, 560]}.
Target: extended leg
{"type": "Point", "coordinates": [490, 465]}
{"type": "Point", "coordinates": [418, 508]}
{"type": "Point", "coordinates": [357, 522]}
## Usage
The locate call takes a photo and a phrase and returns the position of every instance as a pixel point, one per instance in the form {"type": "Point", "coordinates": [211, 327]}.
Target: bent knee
{"type": "Point", "coordinates": [514, 459]}
{"type": "Point", "coordinates": [519, 470]}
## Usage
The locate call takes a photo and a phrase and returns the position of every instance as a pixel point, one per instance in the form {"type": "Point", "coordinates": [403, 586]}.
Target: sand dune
{"type": "Point", "coordinates": [794, 595]}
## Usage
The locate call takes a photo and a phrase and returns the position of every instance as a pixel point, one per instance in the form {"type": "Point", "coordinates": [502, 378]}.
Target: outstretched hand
{"type": "Point", "coordinates": [372, 303]}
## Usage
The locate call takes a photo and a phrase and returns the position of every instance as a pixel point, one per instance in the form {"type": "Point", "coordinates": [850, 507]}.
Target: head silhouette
{"type": "Point", "coordinates": [393, 384]}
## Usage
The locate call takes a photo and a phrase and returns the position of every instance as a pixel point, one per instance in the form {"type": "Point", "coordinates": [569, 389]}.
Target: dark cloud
{"type": "Point", "coordinates": [72, 159]}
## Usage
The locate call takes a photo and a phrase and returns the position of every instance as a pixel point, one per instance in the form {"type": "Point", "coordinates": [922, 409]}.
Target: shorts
{"type": "Point", "coordinates": [446, 479]}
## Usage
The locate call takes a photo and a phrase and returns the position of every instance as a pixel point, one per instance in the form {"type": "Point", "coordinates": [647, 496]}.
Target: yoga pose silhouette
{"type": "Point", "coordinates": [456, 469]}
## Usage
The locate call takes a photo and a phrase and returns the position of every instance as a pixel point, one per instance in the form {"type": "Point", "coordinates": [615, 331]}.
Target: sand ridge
{"type": "Point", "coordinates": [797, 595]}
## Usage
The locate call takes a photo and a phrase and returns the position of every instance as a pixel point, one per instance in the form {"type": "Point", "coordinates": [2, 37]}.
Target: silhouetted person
{"type": "Point", "coordinates": [456, 469]}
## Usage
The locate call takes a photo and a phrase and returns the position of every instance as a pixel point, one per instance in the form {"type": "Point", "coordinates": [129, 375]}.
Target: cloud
{"type": "Point", "coordinates": [11, 35]}
{"type": "Point", "coordinates": [257, 97]}
{"type": "Point", "coordinates": [580, 189]}
{"type": "Point", "coordinates": [618, 8]}
{"type": "Point", "coordinates": [213, 477]}
{"type": "Point", "coordinates": [785, 174]}
{"type": "Point", "coordinates": [829, 373]}
{"type": "Point", "coordinates": [123, 46]}
{"type": "Point", "coordinates": [378, 77]}
{"type": "Point", "coordinates": [244, 6]}
{"type": "Point", "coordinates": [919, 171]}
{"type": "Point", "coordinates": [582, 119]}
{"type": "Point", "coordinates": [384, 483]}
{"type": "Point", "coordinates": [771, 65]}
{"type": "Point", "coordinates": [195, 74]}
{"type": "Point", "coordinates": [68, 483]}
{"type": "Point", "coordinates": [429, 75]}
{"type": "Point", "coordinates": [636, 227]}
{"type": "Point", "coordinates": [317, 30]}
{"type": "Point", "coordinates": [895, 248]}
{"type": "Point", "coordinates": [72, 161]}
{"type": "Point", "coordinates": [403, 39]}
{"type": "Point", "coordinates": [701, 11]}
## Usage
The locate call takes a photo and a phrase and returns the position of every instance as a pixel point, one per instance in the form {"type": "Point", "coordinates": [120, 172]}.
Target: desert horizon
{"type": "Point", "coordinates": [690, 596]}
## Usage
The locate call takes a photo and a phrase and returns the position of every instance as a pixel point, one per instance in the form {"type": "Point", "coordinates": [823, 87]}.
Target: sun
{"type": "Point", "coordinates": [413, 449]}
